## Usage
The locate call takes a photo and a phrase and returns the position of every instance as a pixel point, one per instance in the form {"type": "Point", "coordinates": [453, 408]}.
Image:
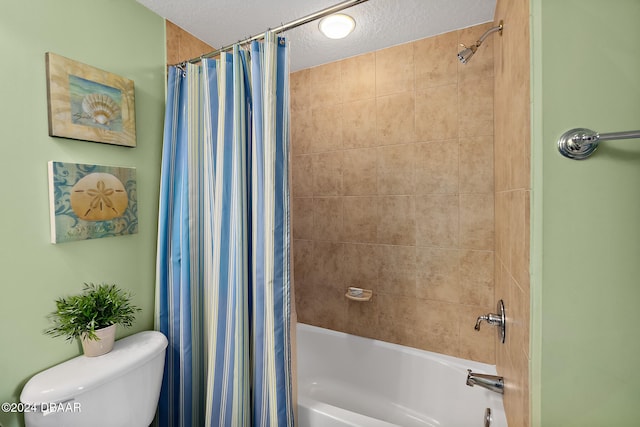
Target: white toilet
{"type": "Point", "coordinates": [118, 389]}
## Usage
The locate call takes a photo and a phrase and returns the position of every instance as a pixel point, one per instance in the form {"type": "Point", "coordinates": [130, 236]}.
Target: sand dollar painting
{"type": "Point", "coordinates": [99, 197]}
{"type": "Point", "coordinates": [91, 201]}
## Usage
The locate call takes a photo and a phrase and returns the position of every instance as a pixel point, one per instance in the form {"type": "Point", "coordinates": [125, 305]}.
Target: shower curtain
{"type": "Point", "coordinates": [223, 285]}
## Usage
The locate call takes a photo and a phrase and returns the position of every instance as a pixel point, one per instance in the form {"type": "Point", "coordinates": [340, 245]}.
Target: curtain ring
{"type": "Point", "coordinates": [182, 67]}
{"type": "Point", "coordinates": [281, 39]}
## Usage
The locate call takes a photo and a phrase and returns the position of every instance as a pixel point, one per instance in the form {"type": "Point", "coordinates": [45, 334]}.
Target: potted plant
{"type": "Point", "coordinates": [92, 317]}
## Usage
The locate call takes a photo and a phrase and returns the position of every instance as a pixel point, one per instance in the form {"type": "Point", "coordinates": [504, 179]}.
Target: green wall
{"type": "Point", "coordinates": [586, 215]}
{"type": "Point", "coordinates": [124, 38]}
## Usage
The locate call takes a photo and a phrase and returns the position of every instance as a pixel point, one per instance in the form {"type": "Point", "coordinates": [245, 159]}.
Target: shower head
{"type": "Point", "coordinates": [465, 54]}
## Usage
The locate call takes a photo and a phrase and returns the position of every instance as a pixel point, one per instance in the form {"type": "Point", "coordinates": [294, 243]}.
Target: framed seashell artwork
{"type": "Point", "coordinates": [89, 104]}
{"type": "Point", "coordinates": [91, 201]}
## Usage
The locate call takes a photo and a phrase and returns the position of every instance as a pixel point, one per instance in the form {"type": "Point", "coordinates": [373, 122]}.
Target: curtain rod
{"type": "Point", "coordinates": [284, 27]}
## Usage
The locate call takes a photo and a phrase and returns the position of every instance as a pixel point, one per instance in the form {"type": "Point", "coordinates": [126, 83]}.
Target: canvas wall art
{"type": "Point", "coordinates": [88, 103]}
{"type": "Point", "coordinates": [91, 201]}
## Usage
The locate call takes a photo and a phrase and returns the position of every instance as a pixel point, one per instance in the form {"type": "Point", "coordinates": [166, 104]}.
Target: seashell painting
{"type": "Point", "coordinates": [95, 104]}
{"type": "Point", "coordinates": [100, 109]}
{"type": "Point", "coordinates": [88, 103]}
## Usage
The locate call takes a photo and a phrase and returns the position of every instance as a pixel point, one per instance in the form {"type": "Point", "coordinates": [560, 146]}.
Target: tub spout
{"type": "Point", "coordinates": [490, 382]}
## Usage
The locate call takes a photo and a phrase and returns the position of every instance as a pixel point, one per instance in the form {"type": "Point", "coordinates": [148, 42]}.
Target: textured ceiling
{"type": "Point", "coordinates": [379, 23]}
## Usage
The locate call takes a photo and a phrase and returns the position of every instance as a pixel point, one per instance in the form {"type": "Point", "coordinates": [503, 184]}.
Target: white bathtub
{"type": "Point", "coordinates": [345, 380]}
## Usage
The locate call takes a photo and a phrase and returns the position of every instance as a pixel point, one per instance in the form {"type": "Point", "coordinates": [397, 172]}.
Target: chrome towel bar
{"type": "Point", "coordinates": [580, 143]}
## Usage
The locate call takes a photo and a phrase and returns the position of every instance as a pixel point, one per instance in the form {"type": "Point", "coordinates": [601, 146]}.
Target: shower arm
{"type": "Point", "coordinates": [490, 31]}
{"type": "Point", "coordinates": [486, 34]}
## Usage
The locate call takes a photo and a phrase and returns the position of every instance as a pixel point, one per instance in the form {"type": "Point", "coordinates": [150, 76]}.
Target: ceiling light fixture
{"type": "Point", "coordinates": [337, 26]}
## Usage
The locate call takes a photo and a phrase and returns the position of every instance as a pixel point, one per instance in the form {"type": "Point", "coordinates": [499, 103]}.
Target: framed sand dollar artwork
{"type": "Point", "coordinates": [89, 104]}
{"type": "Point", "coordinates": [91, 201]}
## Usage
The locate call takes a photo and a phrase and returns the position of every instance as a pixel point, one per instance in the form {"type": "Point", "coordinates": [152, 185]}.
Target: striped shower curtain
{"type": "Point", "coordinates": [223, 285]}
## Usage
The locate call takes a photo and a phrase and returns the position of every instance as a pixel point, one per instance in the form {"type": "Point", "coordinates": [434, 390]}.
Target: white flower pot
{"type": "Point", "coordinates": [104, 343]}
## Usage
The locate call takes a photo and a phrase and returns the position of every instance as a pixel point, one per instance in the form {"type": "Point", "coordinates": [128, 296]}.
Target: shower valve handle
{"type": "Point", "coordinates": [492, 319]}
{"type": "Point", "coordinates": [498, 320]}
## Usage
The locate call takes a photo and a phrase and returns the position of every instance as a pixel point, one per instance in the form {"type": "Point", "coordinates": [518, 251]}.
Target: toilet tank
{"type": "Point", "coordinates": [118, 389]}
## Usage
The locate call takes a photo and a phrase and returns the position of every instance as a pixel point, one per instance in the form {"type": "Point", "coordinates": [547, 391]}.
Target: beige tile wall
{"type": "Point", "coordinates": [393, 190]}
{"type": "Point", "coordinates": [181, 45]}
{"type": "Point", "coordinates": [347, 166]}
{"type": "Point", "coordinates": [513, 190]}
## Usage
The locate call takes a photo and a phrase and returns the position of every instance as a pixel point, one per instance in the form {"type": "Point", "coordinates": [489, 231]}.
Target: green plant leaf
{"type": "Point", "coordinates": [98, 306]}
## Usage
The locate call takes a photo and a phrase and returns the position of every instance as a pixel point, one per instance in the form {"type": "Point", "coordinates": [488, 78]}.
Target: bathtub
{"type": "Point", "coordinates": [345, 380]}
